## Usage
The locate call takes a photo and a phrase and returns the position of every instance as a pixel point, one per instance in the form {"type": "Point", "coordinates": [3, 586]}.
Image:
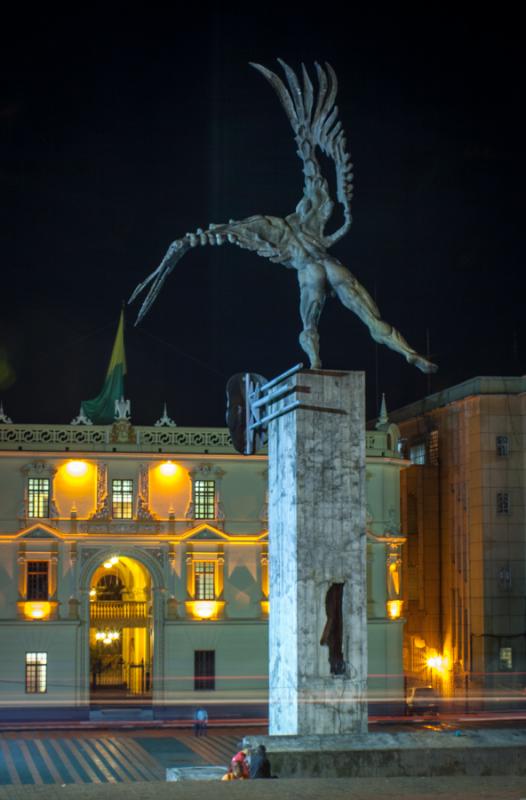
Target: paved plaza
{"type": "Point", "coordinates": [98, 757]}
{"type": "Point", "coordinates": [111, 764]}
{"type": "Point", "coordinates": [459, 788]}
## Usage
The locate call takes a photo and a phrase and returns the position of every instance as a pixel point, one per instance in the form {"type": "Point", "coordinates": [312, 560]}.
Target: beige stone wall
{"type": "Point", "coordinates": [421, 565]}
{"type": "Point", "coordinates": [482, 552]}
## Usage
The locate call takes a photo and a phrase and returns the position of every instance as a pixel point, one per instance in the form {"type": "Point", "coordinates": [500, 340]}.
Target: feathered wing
{"type": "Point", "coordinates": [315, 123]}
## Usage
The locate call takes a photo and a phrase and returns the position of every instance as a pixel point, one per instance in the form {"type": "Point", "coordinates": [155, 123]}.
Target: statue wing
{"type": "Point", "coordinates": [315, 123]}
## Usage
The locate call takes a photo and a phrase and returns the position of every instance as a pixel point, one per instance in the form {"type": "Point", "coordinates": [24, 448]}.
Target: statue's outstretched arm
{"type": "Point", "coordinates": [259, 234]}
{"type": "Point", "coordinates": [317, 125]}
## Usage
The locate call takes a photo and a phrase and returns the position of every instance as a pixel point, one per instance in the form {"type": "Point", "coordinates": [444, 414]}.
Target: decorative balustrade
{"type": "Point", "coordinates": [41, 437]}
{"type": "Point", "coordinates": [144, 439]}
{"type": "Point", "coordinates": [182, 439]}
{"type": "Point", "coordinates": [134, 612]}
{"type": "Point", "coordinates": [101, 438]}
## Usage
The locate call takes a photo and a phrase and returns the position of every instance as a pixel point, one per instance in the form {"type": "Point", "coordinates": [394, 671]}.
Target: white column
{"type": "Point", "coordinates": [317, 539]}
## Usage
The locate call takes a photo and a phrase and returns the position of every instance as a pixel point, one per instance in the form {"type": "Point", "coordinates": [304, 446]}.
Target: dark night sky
{"type": "Point", "coordinates": [118, 135]}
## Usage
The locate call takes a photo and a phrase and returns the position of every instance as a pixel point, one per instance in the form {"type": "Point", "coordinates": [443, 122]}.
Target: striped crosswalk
{"type": "Point", "coordinates": [105, 759]}
{"type": "Point", "coordinates": [77, 759]}
{"type": "Point", "coordinates": [212, 749]}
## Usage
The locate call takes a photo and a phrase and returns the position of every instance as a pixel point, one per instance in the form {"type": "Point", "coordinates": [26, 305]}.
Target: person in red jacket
{"type": "Point", "coordinates": [242, 758]}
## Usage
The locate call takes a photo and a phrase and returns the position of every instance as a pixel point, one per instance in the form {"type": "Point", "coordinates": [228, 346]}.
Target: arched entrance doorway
{"type": "Point", "coordinates": [121, 631]}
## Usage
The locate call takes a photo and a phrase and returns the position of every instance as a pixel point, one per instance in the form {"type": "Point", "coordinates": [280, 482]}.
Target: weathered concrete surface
{"type": "Point", "coordinates": [452, 788]}
{"type": "Point", "coordinates": [206, 773]}
{"type": "Point", "coordinates": [317, 539]}
{"type": "Point", "coordinates": [418, 754]}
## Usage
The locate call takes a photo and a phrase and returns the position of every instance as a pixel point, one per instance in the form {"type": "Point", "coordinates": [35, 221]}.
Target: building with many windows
{"type": "Point", "coordinates": [463, 514]}
{"type": "Point", "coordinates": [133, 567]}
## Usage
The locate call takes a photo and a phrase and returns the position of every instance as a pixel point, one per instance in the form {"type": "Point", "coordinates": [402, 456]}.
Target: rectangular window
{"type": "Point", "coordinates": [505, 658]}
{"type": "Point", "coordinates": [433, 448]}
{"type": "Point", "coordinates": [204, 499]}
{"type": "Point", "coordinates": [37, 580]}
{"type": "Point", "coordinates": [36, 673]}
{"type": "Point", "coordinates": [204, 670]}
{"type": "Point", "coordinates": [503, 503]}
{"type": "Point", "coordinates": [417, 453]}
{"type": "Point", "coordinates": [38, 498]}
{"type": "Point", "coordinates": [204, 573]}
{"type": "Point", "coordinates": [502, 444]}
{"type": "Point", "coordinates": [122, 499]}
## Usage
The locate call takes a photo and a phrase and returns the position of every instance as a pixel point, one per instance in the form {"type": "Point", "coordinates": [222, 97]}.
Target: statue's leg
{"type": "Point", "coordinates": [353, 296]}
{"type": "Point", "coordinates": [312, 298]}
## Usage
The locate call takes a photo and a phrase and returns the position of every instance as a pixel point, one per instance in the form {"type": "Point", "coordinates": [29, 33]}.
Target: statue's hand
{"type": "Point", "coordinates": [174, 253]}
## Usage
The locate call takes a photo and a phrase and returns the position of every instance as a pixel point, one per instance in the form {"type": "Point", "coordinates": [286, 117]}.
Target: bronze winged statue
{"type": "Point", "coordinates": [299, 241]}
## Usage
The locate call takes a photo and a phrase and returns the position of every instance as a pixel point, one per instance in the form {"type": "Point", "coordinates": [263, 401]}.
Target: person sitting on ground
{"type": "Point", "coordinates": [243, 759]}
{"type": "Point", "coordinates": [235, 773]}
{"type": "Point", "coordinates": [260, 765]}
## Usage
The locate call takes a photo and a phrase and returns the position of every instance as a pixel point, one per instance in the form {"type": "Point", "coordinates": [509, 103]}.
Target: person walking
{"type": "Point", "coordinates": [200, 722]}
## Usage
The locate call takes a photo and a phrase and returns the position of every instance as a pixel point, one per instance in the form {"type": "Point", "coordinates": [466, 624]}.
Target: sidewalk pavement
{"type": "Point", "coordinates": [454, 788]}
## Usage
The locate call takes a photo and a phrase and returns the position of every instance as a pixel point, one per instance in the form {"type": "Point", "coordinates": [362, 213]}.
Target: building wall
{"type": "Point", "coordinates": [61, 641]}
{"type": "Point", "coordinates": [476, 547]}
{"type": "Point", "coordinates": [421, 569]}
{"type": "Point", "coordinates": [161, 541]}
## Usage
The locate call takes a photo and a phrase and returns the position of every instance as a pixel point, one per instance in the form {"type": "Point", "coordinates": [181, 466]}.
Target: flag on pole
{"type": "Point", "coordinates": [101, 410]}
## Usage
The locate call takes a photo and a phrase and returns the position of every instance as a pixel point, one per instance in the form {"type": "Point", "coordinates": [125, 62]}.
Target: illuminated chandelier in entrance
{"type": "Point", "coordinates": [107, 637]}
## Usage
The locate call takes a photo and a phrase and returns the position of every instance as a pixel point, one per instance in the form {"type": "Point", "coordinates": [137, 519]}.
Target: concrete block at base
{"type": "Point", "coordinates": [420, 754]}
{"type": "Point", "coordinates": [195, 773]}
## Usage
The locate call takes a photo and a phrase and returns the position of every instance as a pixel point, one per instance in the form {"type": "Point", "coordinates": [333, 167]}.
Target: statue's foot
{"type": "Point", "coordinates": [422, 363]}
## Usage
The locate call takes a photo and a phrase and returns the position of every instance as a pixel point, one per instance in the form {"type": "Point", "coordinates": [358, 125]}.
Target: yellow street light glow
{"type": "Point", "coordinates": [76, 468]}
{"type": "Point", "coordinates": [110, 562]}
{"type": "Point", "coordinates": [168, 469]}
{"type": "Point", "coordinates": [439, 663]}
{"type": "Point", "coordinates": [37, 610]}
{"type": "Point", "coordinates": [394, 608]}
{"type": "Point", "coordinates": [204, 609]}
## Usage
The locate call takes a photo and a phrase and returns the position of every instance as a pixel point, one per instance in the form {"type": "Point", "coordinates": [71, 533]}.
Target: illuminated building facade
{"type": "Point", "coordinates": [464, 563]}
{"type": "Point", "coordinates": [133, 568]}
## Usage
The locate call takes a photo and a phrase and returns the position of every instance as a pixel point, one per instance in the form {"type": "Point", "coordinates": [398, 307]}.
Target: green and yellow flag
{"type": "Point", "coordinates": [101, 410]}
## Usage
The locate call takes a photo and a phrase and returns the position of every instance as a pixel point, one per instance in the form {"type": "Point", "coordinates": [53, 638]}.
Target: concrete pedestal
{"type": "Point", "coordinates": [317, 540]}
{"type": "Point", "coordinates": [417, 754]}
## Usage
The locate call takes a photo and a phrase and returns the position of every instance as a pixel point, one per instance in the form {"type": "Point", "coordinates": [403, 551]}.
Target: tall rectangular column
{"type": "Point", "coordinates": [318, 557]}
